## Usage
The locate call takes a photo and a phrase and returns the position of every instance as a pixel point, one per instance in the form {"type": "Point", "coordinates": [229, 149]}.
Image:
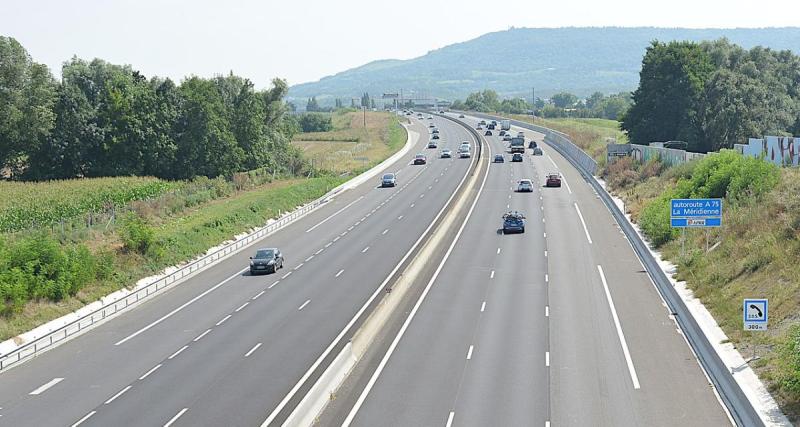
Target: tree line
{"type": "Point", "coordinates": [714, 94]}
{"type": "Point", "coordinates": [562, 104]}
{"type": "Point", "coordinates": [103, 119]}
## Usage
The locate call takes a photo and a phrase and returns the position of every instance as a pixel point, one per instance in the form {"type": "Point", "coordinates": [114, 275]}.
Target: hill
{"type": "Point", "coordinates": [577, 60]}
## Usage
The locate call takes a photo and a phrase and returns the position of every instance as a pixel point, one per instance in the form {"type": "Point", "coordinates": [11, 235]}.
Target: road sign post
{"type": "Point", "coordinates": [755, 315]}
{"type": "Point", "coordinates": [695, 213]}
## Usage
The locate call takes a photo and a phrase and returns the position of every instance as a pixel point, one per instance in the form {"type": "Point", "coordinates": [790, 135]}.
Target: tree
{"type": "Point", "coordinates": [315, 122]}
{"type": "Point", "coordinates": [372, 103]}
{"type": "Point", "coordinates": [312, 104]}
{"type": "Point", "coordinates": [365, 100]}
{"type": "Point", "coordinates": [564, 100]}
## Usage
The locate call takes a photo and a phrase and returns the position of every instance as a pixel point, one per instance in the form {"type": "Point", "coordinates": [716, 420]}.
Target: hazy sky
{"type": "Point", "coordinates": [304, 40]}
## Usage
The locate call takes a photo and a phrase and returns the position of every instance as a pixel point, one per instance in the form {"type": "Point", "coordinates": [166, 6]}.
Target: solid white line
{"type": "Point", "coordinates": [567, 184]}
{"type": "Point", "coordinates": [547, 311]}
{"type": "Point", "coordinates": [309, 258]}
{"type": "Point", "coordinates": [385, 231]}
{"type": "Point", "coordinates": [150, 372]}
{"type": "Point", "coordinates": [469, 353]}
{"type": "Point", "coordinates": [339, 273]}
{"type": "Point", "coordinates": [304, 304]}
{"type": "Point", "coordinates": [483, 306]}
{"type": "Point", "coordinates": [491, 275]}
{"type": "Point", "coordinates": [401, 332]}
{"type": "Point", "coordinates": [273, 284]}
{"type": "Point", "coordinates": [298, 266]}
{"type": "Point", "coordinates": [498, 251]}
{"type": "Point", "coordinates": [286, 275]}
{"type": "Point", "coordinates": [252, 350]}
{"type": "Point", "coordinates": [117, 395]}
{"type": "Point", "coordinates": [257, 295]}
{"type": "Point", "coordinates": [186, 304]}
{"type": "Point", "coordinates": [586, 230]}
{"type": "Point", "coordinates": [178, 352]}
{"type": "Point", "coordinates": [242, 306]}
{"type": "Point", "coordinates": [199, 337]}
{"type": "Point", "coordinates": [546, 358]}
{"type": "Point", "coordinates": [223, 320]}
{"type": "Point", "coordinates": [450, 419]}
{"type": "Point", "coordinates": [551, 161]}
{"type": "Point", "coordinates": [621, 336]}
{"type": "Point", "coordinates": [86, 417]}
{"type": "Point", "coordinates": [334, 214]}
{"type": "Point", "coordinates": [365, 249]}
{"type": "Point", "coordinates": [44, 387]}
{"type": "Point", "coordinates": [175, 418]}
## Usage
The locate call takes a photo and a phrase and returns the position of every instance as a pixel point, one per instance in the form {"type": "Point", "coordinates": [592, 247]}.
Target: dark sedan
{"type": "Point", "coordinates": [267, 260]}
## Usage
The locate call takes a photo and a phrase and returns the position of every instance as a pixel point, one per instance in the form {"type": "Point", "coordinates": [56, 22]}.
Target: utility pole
{"type": "Point", "coordinates": [365, 116]}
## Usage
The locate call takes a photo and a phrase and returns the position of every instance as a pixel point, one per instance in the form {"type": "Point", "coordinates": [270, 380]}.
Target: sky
{"type": "Point", "coordinates": [304, 40]}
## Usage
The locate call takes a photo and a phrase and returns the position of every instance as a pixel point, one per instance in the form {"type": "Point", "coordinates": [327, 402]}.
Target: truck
{"type": "Point", "coordinates": [505, 124]}
{"type": "Point", "coordinates": [517, 145]}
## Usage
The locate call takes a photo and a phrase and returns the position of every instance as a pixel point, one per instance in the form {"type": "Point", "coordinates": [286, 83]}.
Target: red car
{"type": "Point", "coordinates": [553, 180]}
{"type": "Point", "coordinates": [420, 159]}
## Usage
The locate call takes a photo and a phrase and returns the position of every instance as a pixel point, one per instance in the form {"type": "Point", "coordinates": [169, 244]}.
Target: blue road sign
{"type": "Point", "coordinates": [696, 213]}
{"type": "Point", "coordinates": [755, 314]}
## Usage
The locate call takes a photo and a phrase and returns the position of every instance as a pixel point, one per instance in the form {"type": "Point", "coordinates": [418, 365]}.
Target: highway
{"type": "Point", "coordinates": [228, 348]}
{"type": "Point", "coordinates": [556, 326]}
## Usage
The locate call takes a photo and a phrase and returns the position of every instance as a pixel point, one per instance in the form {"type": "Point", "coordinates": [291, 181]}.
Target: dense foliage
{"type": "Point", "coordinates": [315, 122]}
{"type": "Point", "coordinates": [562, 104]}
{"type": "Point", "coordinates": [109, 120]}
{"type": "Point", "coordinates": [714, 94]}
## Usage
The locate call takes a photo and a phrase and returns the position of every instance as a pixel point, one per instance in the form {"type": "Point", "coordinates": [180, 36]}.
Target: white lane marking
{"type": "Point", "coordinates": [547, 311]}
{"type": "Point", "coordinates": [304, 304]}
{"type": "Point", "coordinates": [508, 206]}
{"type": "Point", "coordinates": [542, 219]}
{"type": "Point", "coordinates": [199, 337]}
{"type": "Point", "coordinates": [412, 205]}
{"type": "Point", "coordinates": [429, 187]}
{"type": "Point", "coordinates": [223, 320]}
{"type": "Point", "coordinates": [334, 214]}
{"type": "Point", "coordinates": [45, 386]}
{"type": "Point", "coordinates": [421, 196]}
{"type": "Point", "coordinates": [546, 277]}
{"type": "Point", "coordinates": [186, 304]}
{"type": "Point", "coordinates": [567, 184]}
{"type": "Point", "coordinates": [350, 228]}
{"type": "Point", "coordinates": [117, 395]}
{"type": "Point", "coordinates": [273, 284]}
{"type": "Point", "coordinates": [309, 258]}
{"type": "Point", "coordinates": [339, 273]}
{"type": "Point", "coordinates": [286, 275]}
{"type": "Point", "coordinates": [153, 369]}
{"type": "Point", "coordinates": [385, 231]}
{"type": "Point", "coordinates": [327, 245]}
{"type": "Point", "coordinates": [469, 353]}
{"type": "Point", "coordinates": [252, 350]}
{"type": "Point", "coordinates": [585, 230]}
{"type": "Point", "coordinates": [242, 306]}
{"type": "Point", "coordinates": [319, 251]}
{"type": "Point", "coordinates": [365, 249]}
{"type": "Point", "coordinates": [483, 306]}
{"type": "Point", "coordinates": [547, 424]}
{"type": "Point", "coordinates": [450, 419]}
{"type": "Point", "coordinates": [545, 254]}
{"type": "Point", "coordinates": [178, 352]}
{"type": "Point", "coordinates": [298, 266]}
{"type": "Point", "coordinates": [498, 251]}
{"type": "Point", "coordinates": [363, 218]}
{"type": "Point", "coordinates": [86, 417]}
{"type": "Point", "coordinates": [401, 332]}
{"type": "Point", "coordinates": [175, 418]}
{"type": "Point", "coordinates": [545, 235]}
{"type": "Point", "coordinates": [491, 275]}
{"type": "Point", "coordinates": [546, 358]}
{"type": "Point", "coordinates": [400, 217]}
{"type": "Point", "coordinates": [621, 336]}
{"type": "Point", "coordinates": [257, 295]}
{"type": "Point", "coordinates": [551, 161]}
{"type": "Point", "coordinates": [509, 196]}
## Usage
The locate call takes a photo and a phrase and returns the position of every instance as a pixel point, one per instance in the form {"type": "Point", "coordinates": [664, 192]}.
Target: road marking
{"type": "Point", "coordinates": [362, 219]}
{"type": "Point", "coordinates": [546, 277]}
{"type": "Point", "coordinates": [545, 235]}
{"type": "Point", "coordinates": [225, 318]}
{"type": "Point", "coordinates": [509, 196]}
{"type": "Point", "coordinates": [385, 231]}
{"type": "Point", "coordinates": [304, 304]}
{"type": "Point", "coordinates": [567, 184]}
{"type": "Point", "coordinates": [450, 419]}
{"type": "Point", "coordinates": [273, 284]}
{"type": "Point", "coordinates": [319, 251]}
{"type": "Point", "coordinates": [546, 358]}
{"type": "Point", "coordinates": [422, 195]}
{"type": "Point", "coordinates": [350, 228]}
{"type": "Point", "coordinates": [547, 311]}
{"type": "Point", "coordinates": [483, 306]}
{"type": "Point", "coordinates": [429, 187]}
{"type": "Point", "coordinates": [117, 395]}
{"type": "Point", "coordinates": [153, 369]}
{"type": "Point", "coordinates": [44, 387]}
{"type": "Point", "coordinates": [400, 217]}
{"type": "Point", "coordinates": [365, 249]}
{"type": "Point", "coordinates": [242, 306]}
{"type": "Point", "coordinates": [412, 205]}
{"type": "Point", "coordinates": [298, 266]}
{"type": "Point", "coordinates": [309, 258]}
{"type": "Point", "coordinates": [334, 214]}
{"type": "Point", "coordinates": [508, 206]}
{"type": "Point", "coordinates": [175, 418]}
{"type": "Point", "coordinates": [586, 230]}
{"type": "Point", "coordinates": [621, 336]}
{"type": "Point", "coordinates": [542, 219]}
{"type": "Point", "coordinates": [199, 337]}
{"type": "Point", "coordinates": [551, 161]}
{"type": "Point", "coordinates": [186, 304]}
{"type": "Point", "coordinates": [545, 254]}
{"type": "Point", "coordinates": [286, 275]}
{"type": "Point", "coordinates": [178, 352]}
{"type": "Point", "coordinates": [491, 275]}
{"type": "Point", "coordinates": [252, 350]}
{"type": "Point", "coordinates": [86, 417]}
{"type": "Point", "coordinates": [339, 273]}
{"type": "Point", "coordinates": [498, 251]}
{"type": "Point", "coordinates": [257, 295]}
{"type": "Point", "coordinates": [547, 424]}
{"type": "Point", "coordinates": [327, 245]}
{"type": "Point", "coordinates": [469, 353]}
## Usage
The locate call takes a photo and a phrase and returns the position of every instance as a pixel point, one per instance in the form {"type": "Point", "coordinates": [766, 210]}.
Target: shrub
{"type": "Point", "coordinates": [314, 122]}
{"type": "Point", "coordinates": [655, 220]}
{"type": "Point", "coordinates": [790, 378]}
{"type": "Point", "coordinates": [136, 234]}
{"type": "Point", "coordinates": [728, 173]}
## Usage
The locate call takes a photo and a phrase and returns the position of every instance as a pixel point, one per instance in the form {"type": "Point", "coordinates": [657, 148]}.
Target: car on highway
{"type": "Point", "coordinates": [479, 127]}
{"type": "Point", "coordinates": [525, 186]}
{"type": "Point", "coordinates": [389, 180]}
{"type": "Point", "coordinates": [420, 159]}
{"type": "Point", "coordinates": [493, 123]}
{"type": "Point", "coordinates": [553, 180]}
{"type": "Point", "coordinates": [487, 133]}
{"type": "Point", "coordinates": [498, 158]}
{"type": "Point", "coordinates": [460, 116]}
{"type": "Point", "coordinates": [266, 260]}
{"type": "Point", "coordinates": [513, 222]}
{"type": "Point", "coordinates": [516, 157]}
{"type": "Point", "coordinates": [432, 144]}
{"type": "Point", "coordinates": [431, 125]}
{"type": "Point", "coordinates": [502, 133]}
{"type": "Point", "coordinates": [446, 154]}
{"type": "Point", "coordinates": [532, 144]}
{"type": "Point", "coordinates": [463, 152]}
{"type": "Point", "coordinates": [507, 137]}
{"type": "Point", "coordinates": [430, 117]}
{"type": "Point", "coordinates": [435, 130]}
{"type": "Point", "coordinates": [435, 136]}
{"type": "Point", "coordinates": [490, 126]}
{"type": "Point", "coordinates": [537, 151]}
{"type": "Point", "coordinates": [520, 134]}
{"type": "Point", "coordinates": [482, 122]}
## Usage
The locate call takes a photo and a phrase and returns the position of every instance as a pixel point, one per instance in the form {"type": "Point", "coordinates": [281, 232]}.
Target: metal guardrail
{"type": "Point", "coordinates": [738, 405]}
{"type": "Point", "coordinates": [47, 341]}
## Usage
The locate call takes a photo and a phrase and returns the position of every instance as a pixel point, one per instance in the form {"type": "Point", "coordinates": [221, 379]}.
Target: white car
{"type": "Point", "coordinates": [525, 186]}
{"type": "Point", "coordinates": [463, 152]}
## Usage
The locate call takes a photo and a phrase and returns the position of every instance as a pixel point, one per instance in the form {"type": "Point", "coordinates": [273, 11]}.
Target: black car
{"type": "Point", "coordinates": [420, 159]}
{"type": "Point", "coordinates": [532, 144]}
{"type": "Point", "coordinates": [488, 133]}
{"type": "Point", "coordinates": [513, 222]}
{"type": "Point", "coordinates": [502, 133]}
{"type": "Point", "coordinates": [266, 260]}
{"type": "Point", "coordinates": [498, 158]}
{"type": "Point", "coordinates": [516, 157]}
{"type": "Point", "coordinates": [435, 136]}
